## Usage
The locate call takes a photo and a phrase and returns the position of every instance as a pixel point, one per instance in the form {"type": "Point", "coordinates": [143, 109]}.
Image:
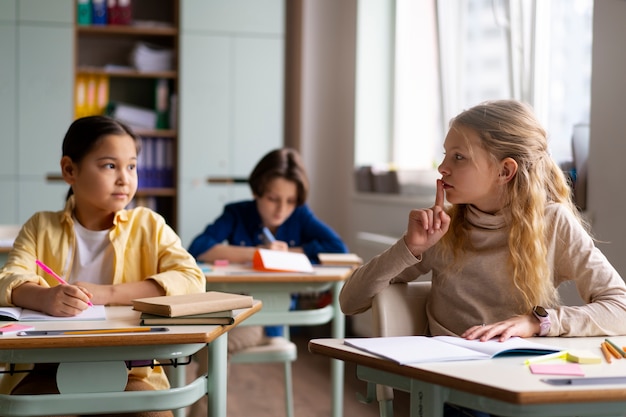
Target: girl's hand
{"type": "Point", "coordinates": [427, 226]}
{"type": "Point", "coordinates": [521, 326]}
{"type": "Point", "coordinates": [65, 300]}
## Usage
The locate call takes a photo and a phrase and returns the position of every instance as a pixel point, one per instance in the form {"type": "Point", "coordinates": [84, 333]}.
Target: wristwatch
{"type": "Point", "coordinates": [544, 320]}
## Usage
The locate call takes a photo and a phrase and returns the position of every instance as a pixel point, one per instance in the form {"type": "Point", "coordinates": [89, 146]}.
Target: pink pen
{"type": "Point", "coordinates": [54, 275]}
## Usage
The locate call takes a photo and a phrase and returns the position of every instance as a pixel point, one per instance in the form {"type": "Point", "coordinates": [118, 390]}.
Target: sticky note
{"type": "Point", "coordinates": [14, 328]}
{"type": "Point", "coordinates": [583, 356]}
{"type": "Point", "coordinates": [556, 369]}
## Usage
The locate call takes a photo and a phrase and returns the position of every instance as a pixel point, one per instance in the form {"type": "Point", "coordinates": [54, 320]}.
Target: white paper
{"type": "Point", "coordinates": [97, 312]}
{"type": "Point", "coordinates": [416, 349]}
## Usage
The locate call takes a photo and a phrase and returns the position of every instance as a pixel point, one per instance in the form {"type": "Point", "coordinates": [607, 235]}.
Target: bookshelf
{"type": "Point", "coordinates": [128, 69]}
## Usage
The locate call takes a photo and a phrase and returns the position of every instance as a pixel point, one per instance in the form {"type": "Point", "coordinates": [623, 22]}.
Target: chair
{"type": "Point", "coordinates": [279, 350]}
{"type": "Point", "coordinates": [405, 300]}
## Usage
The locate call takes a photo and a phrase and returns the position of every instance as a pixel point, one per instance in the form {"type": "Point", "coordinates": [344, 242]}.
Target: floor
{"type": "Point", "coordinates": [257, 390]}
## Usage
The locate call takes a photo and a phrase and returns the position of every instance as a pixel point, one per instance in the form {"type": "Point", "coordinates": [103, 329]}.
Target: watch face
{"type": "Point", "coordinates": [540, 311]}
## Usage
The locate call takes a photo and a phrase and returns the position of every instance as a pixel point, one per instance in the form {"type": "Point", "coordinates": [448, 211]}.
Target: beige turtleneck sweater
{"type": "Point", "coordinates": [481, 289]}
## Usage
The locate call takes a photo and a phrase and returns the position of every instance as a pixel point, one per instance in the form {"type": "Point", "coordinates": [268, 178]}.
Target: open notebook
{"type": "Point", "coordinates": [416, 349]}
{"type": "Point", "coordinates": [96, 312]}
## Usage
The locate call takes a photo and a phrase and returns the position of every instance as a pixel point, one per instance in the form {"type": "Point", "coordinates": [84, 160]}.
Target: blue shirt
{"type": "Point", "coordinates": [240, 224]}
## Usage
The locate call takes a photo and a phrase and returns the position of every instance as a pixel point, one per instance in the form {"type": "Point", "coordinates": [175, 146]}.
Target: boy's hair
{"type": "Point", "coordinates": [280, 163]}
{"type": "Point", "coordinates": [509, 129]}
{"type": "Point", "coordinates": [85, 133]}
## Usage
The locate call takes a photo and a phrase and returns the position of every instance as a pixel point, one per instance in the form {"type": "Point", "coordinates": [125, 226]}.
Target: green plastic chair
{"type": "Point", "coordinates": [280, 349]}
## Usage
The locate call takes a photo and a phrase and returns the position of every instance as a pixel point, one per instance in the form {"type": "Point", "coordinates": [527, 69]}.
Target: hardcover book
{"type": "Point", "coordinates": [188, 304]}
{"type": "Point", "coordinates": [218, 317]}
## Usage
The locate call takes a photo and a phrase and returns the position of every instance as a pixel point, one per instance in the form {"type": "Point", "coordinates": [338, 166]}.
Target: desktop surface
{"type": "Point", "coordinates": [505, 379]}
{"type": "Point", "coordinates": [118, 317]}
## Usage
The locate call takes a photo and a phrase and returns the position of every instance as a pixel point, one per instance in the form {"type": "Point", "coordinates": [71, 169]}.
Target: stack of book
{"type": "Point", "coordinates": [212, 307]}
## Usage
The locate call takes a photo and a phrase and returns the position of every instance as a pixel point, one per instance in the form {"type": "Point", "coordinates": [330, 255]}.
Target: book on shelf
{"type": "Point", "coordinates": [281, 261]}
{"type": "Point", "coordinates": [187, 304]}
{"type": "Point", "coordinates": [417, 349]}
{"type": "Point", "coordinates": [155, 162]}
{"type": "Point", "coordinates": [119, 12]}
{"type": "Point", "coordinates": [83, 12]}
{"type": "Point", "coordinates": [217, 317]}
{"type": "Point", "coordinates": [162, 103]}
{"type": "Point", "coordinates": [91, 94]}
{"type": "Point", "coordinates": [99, 12]}
{"type": "Point", "coordinates": [96, 312]}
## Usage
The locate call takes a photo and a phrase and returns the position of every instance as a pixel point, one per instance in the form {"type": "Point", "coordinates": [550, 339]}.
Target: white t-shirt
{"type": "Point", "coordinates": [93, 261]}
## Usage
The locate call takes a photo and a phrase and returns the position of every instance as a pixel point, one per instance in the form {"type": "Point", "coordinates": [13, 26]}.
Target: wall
{"type": "Point", "coordinates": [35, 103]}
{"type": "Point", "coordinates": [327, 118]}
{"type": "Point", "coordinates": [231, 107]}
{"type": "Point", "coordinates": [607, 171]}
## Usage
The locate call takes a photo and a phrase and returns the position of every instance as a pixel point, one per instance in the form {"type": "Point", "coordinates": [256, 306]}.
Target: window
{"type": "Point", "coordinates": [419, 63]}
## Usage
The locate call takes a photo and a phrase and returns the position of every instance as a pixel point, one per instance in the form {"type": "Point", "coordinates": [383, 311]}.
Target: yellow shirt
{"type": "Point", "coordinates": [144, 246]}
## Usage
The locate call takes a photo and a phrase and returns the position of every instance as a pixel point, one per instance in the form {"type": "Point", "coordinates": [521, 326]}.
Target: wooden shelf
{"type": "Point", "coordinates": [156, 132]}
{"type": "Point", "coordinates": [103, 53]}
{"type": "Point", "coordinates": [112, 30]}
{"type": "Point", "coordinates": [125, 73]}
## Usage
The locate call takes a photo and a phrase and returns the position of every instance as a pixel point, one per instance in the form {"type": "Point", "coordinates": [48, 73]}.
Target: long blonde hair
{"type": "Point", "coordinates": [509, 129]}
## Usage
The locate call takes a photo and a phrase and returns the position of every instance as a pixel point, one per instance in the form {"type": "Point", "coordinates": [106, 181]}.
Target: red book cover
{"type": "Point", "coordinates": [125, 14]}
{"type": "Point", "coordinates": [113, 12]}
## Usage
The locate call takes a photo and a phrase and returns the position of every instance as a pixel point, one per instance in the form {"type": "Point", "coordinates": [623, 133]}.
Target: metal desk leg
{"type": "Point", "coordinates": [337, 366]}
{"type": "Point", "coordinates": [177, 377]}
{"type": "Point", "coordinates": [427, 399]}
{"type": "Point", "coordinates": [217, 377]}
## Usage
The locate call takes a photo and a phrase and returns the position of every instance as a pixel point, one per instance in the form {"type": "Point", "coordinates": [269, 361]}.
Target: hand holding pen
{"type": "Point", "coordinates": [271, 242]}
{"type": "Point", "coordinates": [55, 275]}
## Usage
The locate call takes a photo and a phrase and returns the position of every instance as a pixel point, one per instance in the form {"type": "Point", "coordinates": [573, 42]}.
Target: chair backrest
{"type": "Point", "coordinates": [400, 309]}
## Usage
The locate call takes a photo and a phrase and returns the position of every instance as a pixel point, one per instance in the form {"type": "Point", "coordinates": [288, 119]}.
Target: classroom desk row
{"type": "Point", "coordinates": [92, 371]}
{"type": "Point", "coordinates": [501, 386]}
{"type": "Point", "coordinates": [273, 289]}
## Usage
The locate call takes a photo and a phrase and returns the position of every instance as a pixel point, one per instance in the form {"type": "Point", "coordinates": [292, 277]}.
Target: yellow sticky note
{"type": "Point", "coordinates": [583, 356]}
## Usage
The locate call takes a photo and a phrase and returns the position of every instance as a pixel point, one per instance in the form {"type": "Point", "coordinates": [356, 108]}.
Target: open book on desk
{"type": "Point", "coordinates": [416, 349]}
{"type": "Point", "coordinates": [96, 312]}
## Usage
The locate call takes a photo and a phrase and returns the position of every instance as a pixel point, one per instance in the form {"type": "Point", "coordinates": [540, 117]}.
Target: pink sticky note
{"type": "Point", "coordinates": [557, 369]}
{"type": "Point", "coordinates": [14, 328]}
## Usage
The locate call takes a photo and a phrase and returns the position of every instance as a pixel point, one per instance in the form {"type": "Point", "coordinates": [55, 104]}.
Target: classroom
{"type": "Point", "coordinates": [244, 77]}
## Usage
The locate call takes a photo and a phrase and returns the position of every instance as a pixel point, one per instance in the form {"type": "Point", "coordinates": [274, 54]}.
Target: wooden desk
{"type": "Point", "coordinates": [90, 361]}
{"type": "Point", "coordinates": [275, 289]}
{"type": "Point", "coordinates": [502, 386]}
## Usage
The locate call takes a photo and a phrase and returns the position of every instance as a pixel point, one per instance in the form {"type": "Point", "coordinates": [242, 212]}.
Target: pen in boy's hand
{"type": "Point", "coordinates": [269, 237]}
{"type": "Point", "coordinates": [54, 275]}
